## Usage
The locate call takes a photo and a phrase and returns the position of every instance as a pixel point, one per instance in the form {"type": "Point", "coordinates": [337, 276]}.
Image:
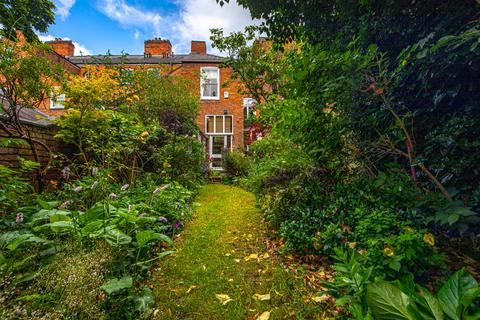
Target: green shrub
{"type": "Point", "coordinates": [236, 164]}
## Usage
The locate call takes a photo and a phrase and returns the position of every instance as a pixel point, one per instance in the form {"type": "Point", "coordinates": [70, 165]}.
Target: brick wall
{"type": "Point", "coordinates": [234, 102]}
{"type": "Point", "coordinates": [10, 156]}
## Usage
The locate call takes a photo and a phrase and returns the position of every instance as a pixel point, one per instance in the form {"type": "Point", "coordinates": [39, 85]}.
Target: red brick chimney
{"type": "Point", "coordinates": [65, 48]}
{"type": "Point", "coordinates": [158, 47]}
{"type": "Point", "coordinates": [199, 47]}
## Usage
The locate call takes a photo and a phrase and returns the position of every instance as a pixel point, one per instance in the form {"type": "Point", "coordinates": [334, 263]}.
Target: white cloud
{"type": "Point", "coordinates": [199, 16]}
{"type": "Point", "coordinates": [129, 16]}
{"type": "Point", "coordinates": [136, 34]}
{"type": "Point", "coordinates": [193, 21]}
{"type": "Point", "coordinates": [79, 49]}
{"type": "Point", "coordinates": [63, 7]}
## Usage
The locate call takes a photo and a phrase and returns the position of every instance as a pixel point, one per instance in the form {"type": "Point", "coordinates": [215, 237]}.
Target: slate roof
{"type": "Point", "coordinates": [143, 60]}
{"type": "Point", "coordinates": [34, 117]}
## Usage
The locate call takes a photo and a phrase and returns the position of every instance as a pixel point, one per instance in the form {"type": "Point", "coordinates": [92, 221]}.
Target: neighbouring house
{"type": "Point", "coordinates": [222, 109]}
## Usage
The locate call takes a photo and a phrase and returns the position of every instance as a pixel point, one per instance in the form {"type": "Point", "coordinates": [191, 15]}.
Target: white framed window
{"type": "Point", "coordinates": [249, 105]}
{"type": "Point", "coordinates": [219, 131]}
{"type": "Point", "coordinates": [210, 83]}
{"type": "Point", "coordinates": [219, 124]}
{"type": "Point", "coordinates": [57, 100]}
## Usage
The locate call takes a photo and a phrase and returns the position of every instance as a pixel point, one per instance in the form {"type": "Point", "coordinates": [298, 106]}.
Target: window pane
{"type": "Point", "coordinates": [219, 122]}
{"type": "Point", "coordinates": [218, 144]}
{"type": "Point", "coordinates": [217, 163]}
{"type": "Point", "coordinates": [209, 124]}
{"type": "Point", "coordinates": [210, 89]}
{"type": "Point", "coordinates": [211, 74]}
{"type": "Point", "coordinates": [228, 124]}
{"type": "Point", "coordinates": [229, 142]}
{"type": "Point", "coordinates": [209, 82]}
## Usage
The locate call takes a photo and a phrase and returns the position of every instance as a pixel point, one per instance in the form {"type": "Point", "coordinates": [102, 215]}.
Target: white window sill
{"type": "Point", "coordinates": [209, 98]}
{"type": "Point", "coordinates": [57, 108]}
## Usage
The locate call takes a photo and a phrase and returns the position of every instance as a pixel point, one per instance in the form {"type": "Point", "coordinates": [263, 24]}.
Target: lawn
{"type": "Point", "coordinates": [222, 255]}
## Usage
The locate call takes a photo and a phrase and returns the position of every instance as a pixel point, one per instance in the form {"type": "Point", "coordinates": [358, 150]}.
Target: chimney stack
{"type": "Point", "coordinates": [158, 47]}
{"type": "Point", "coordinates": [199, 47]}
{"type": "Point", "coordinates": [64, 48]}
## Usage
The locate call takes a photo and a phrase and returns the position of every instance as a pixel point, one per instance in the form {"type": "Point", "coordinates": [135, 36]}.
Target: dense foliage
{"type": "Point", "coordinates": [372, 158]}
{"type": "Point", "coordinates": [84, 247]}
{"type": "Point", "coordinates": [26, 16]}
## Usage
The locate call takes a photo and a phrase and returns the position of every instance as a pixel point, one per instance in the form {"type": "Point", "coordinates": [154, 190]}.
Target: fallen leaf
{"type": "Point", "coordinates": [228, 254]}
{"type": "Point", "coordinates": [223, 298]}
{"type": "Point", "coordinates": [191, 288]}
{"type": "Point", "coordinates": [261, 297]}
{"type": "Point", "coordinates": [237, 260]}
{"type": "Point", "coordinates": [266, 256]}
{"type": "Point", "coordinates": [230, 280]}
{"type": "Point", "coordinates": [319, 299]}
{"type": "Point", "coordinates": [264, 316]}
{"type": "Point", "coordinates": [251, 257]}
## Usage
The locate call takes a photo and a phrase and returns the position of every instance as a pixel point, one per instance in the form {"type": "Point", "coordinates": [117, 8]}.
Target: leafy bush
{"type": "Point", "coordinates": [459, 298]}
{"type": "Point", "coordinates": [236, 164]}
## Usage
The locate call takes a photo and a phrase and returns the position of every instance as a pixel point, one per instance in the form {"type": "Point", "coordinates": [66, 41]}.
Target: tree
{"type": "Point", "coordinates": [26, 16]}
{"type": "Point", "coordinates": [27, 78]}
{"type": "Point", "coordinates": [390, 24]}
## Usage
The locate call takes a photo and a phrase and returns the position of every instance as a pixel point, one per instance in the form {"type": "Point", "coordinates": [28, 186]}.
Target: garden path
{"type": "Point", "coordinates": [223, 268]}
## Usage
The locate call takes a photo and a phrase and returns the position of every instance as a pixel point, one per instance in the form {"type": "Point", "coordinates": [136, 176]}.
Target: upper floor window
{"type": "Point", "coordinates": [210, 83]}
{"type": "Point", "coordinates": [57, 100]}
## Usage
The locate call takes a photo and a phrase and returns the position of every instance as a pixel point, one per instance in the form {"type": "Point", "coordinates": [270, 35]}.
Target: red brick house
{"type": "Point", "coordinates": [221, 116]}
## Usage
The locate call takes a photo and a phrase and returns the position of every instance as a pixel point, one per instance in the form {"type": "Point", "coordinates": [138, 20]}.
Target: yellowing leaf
{"type": "Point", "coordinates": [261, 297]}
{"type": "Point", "coordinates": [264, 316]}
{"type": "Point", "coordinates": [266, 255]}
{"type": "Point", "coordinates": [223, 298]}
{"type": "Point", "coordinates": [320, 298]}
{"type": "Point", "coordinates": [191, 288]}
{"type": "Point", "coordinates": [237, 260]}
{"type": "Point", "coordinates": [251, 257]}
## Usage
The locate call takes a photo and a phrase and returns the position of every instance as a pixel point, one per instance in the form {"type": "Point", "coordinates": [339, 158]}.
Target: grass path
{"type": "Point", "coordinates": [222, 251]}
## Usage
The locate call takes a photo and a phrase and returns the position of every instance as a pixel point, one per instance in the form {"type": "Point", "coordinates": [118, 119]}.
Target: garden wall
{"type": "Point", "coordinates": [45, 133]}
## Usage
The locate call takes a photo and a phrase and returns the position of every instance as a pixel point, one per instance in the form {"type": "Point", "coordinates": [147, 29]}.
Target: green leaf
{"type": "Point", "coordinates": [343, 300]}
{"type": "Point", "coordinates": [395, 265]}
{"type": "Point", "coordinates": [47, 205]}
{"type": "Point", "coordinates": [470, 296]}
{"type": "Point", "coordinates": [453, 291]}
{"type": "Point", "coordinates": [46, 214]}
{"type": "Point", "coordinates": [13, 239]}
{"type": "Point", "coordinates": [433, 304]}
{"type": "Point", "coordinates": [92, 227]}
{"type": "Point", "coordinates": [145, 236]}
{"type": "Point", "coordinates": [30, 297]}
{"type": "Point", "coordinates": [57, 227]}
{"type": "Point", "coordinates": [116, 237]}
{"type": "Point", "coordinates": [26, 277]}
{"type": "Point", "coordinates": [116, 285]}
{"type": "Point", "coordinates": [453, 218]}
{"type": "Point", "coordinates": [145, 302]}
{"type": "Point", "coordinates": [96, 212]}
{"type": "Point", "coordinates": [387, 302]}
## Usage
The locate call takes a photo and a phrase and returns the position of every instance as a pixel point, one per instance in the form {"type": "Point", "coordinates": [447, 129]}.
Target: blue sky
{"type": "Point", "coordinates": [97, 26]}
